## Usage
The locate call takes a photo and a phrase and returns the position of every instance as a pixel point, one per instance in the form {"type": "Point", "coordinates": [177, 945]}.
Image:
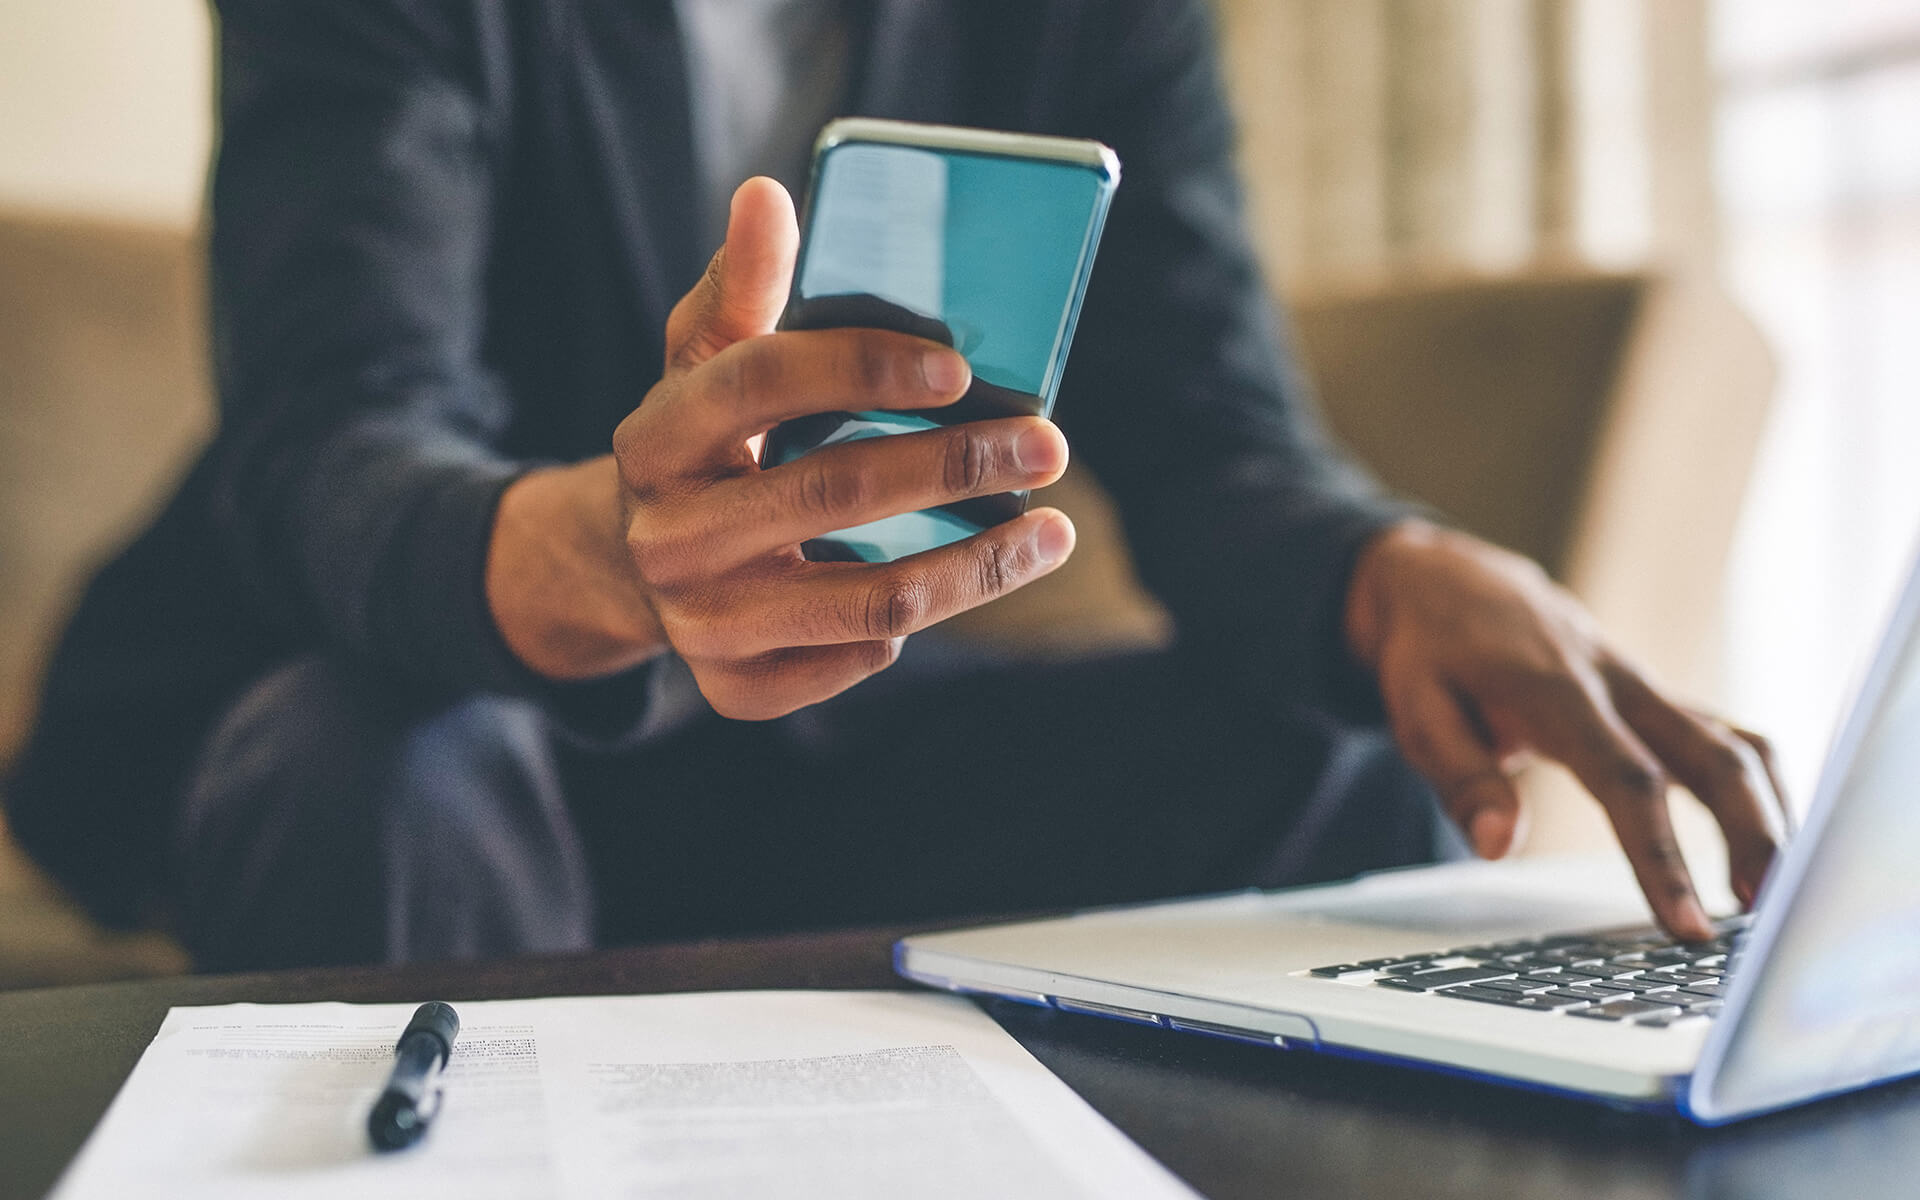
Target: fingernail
{"type": "Point", "coordinates": [1053, 541]}
{"type": "Point", "coordinates": [944, 371]}
{"type": "Point", "coordinates": [1491, 833]}
{"type": "Point", "coordinates": [1037, 451]}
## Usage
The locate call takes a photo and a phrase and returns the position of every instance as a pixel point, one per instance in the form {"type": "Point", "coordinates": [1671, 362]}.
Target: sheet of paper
{"type": "Point", "coordinates": [847, 1095]}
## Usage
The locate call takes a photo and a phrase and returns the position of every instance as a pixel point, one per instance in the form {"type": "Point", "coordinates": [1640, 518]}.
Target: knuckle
{"type": "Point", "coordinates": [1727, 763]}
{"type": "Point", "coordinates": [693, 638]}
{"type": "Point", "coordinates": [721, 381]}
{"type": "Point", "coordinates": [869, 364]}
{"type": "Point", "coordinates": [1665, 868]}
{"type": "Point", "coordinates": [895, 607]}
{"type": "Point", "coordinates": [1664, 853]}
{"type": "Point", "coordinates": [635, 460]}
{"type": "Point", "coordinates": [699, 629]}
{"type": "Point", "coordinates": [1637, 780]}
{"type": "Point", "coordinates": [626, 439]}
{"type": "Point", "coordinates": [965, 464]}
{"type": "Point", "coordinates": [998, 568]}
{"type": "Point", "coordinates": [822, 491]}
{"type": "Point", "coordinates": [751, 370]}
{"type": "Point", "coordinates": [1754, 847]}
{"type": "Point", "coordinates": [647, 552]}
{"type": "Point", "coordinates": [662, 553]}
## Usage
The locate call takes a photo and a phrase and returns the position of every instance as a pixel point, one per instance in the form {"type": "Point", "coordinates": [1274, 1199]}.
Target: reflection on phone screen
{"type": "Point", "coordinates": [982, 252]}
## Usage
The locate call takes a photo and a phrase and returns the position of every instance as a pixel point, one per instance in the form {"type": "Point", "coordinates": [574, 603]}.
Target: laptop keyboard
{"type": "Point", "coordinates": [1637, 976]}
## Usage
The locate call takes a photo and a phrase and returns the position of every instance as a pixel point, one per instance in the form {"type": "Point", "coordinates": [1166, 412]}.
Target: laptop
{"type": "Point", "coordinates": [1545, 973]}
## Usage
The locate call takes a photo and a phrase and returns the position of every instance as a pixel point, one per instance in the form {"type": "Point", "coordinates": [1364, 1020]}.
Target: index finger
{"type": "Point", "coordinates": [1715, 765]}
{"type": "Point", "coordinates": [1582, 730]}
{"type": "Point", "coordinates": [753, 385]}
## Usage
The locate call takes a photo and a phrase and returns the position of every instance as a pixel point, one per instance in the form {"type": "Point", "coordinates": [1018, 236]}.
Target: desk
{"type": "Point", "coordinates": [1235, 1121]}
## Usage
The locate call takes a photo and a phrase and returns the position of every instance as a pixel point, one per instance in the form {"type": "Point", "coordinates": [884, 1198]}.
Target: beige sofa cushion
{"type": "Point", "coordinates": [103, 396]}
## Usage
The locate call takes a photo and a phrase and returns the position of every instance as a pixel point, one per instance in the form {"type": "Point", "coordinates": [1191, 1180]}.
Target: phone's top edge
{"type": "Point", "coordinates": [1076, 151]}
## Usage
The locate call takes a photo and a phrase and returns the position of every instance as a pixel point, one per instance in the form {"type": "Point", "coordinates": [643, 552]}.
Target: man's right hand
{"type": "Point", "coordinates": [680, 540]}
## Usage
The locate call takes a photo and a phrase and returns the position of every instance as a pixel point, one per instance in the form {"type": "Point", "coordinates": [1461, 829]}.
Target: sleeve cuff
{"type": "Point", "coordinates": [440, 630]}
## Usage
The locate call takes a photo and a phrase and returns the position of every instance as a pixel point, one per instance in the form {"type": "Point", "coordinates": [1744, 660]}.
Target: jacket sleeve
{"type": "Point", "coordinates": [1182, 395]}
{"type": "Point", "coordinates": [359, 463]}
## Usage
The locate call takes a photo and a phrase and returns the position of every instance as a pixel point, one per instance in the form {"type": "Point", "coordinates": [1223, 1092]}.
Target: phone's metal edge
{"type": "Point", "coordinates": [1775, 903]}
{"type": "Point", "coordinates": [1080, 152]}
{"type": "Point", "coordinates": [1070, 320]}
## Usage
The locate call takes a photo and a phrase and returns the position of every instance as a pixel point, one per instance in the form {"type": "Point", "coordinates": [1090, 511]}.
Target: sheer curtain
{"type": "Point", "coordinates": [1396, 137]}
{"type": "Point", "coordinates": [1818, 167]}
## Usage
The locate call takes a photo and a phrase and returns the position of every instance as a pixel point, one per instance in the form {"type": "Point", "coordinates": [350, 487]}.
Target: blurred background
{"type": "Point", "coordinates": [1633, 285]}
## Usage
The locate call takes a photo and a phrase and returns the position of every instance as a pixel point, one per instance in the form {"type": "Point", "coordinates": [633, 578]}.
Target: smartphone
{"type": "Point", "coordinates": [978, 239]}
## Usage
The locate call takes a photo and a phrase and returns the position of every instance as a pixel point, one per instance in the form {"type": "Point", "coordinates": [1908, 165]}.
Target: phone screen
{"type": "Point", "coordinates": [987, 253]}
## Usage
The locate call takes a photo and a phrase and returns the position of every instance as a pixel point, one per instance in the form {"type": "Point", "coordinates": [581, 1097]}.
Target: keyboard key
{"type": "Point", "coordinates": [1590, 995]}
{"type": "Point", "coordinates": [1709, 988]}
{"type": "Point", "coordinates": [1605, 971]}
{"type": "Point", "coordinates": [1554, 1001]}
{"type": "Point", "coordinates": [1430, 981]}
{"type": "Point", "coordinates": [1517, 987]}
{"type": "Point", "coordinates": [1524, 966]}
{"type": "Point", "coordinates": [1469, 992]}
{"type": "Point", "coordinates": [1635, 985]}
{"type": "Point", "coordinates": [1677, 975]}
{"type": "Point", "coordinates": [1569, 957]}
{"type": "Point", "coordinates": [1673, 954]}
{"type": "Point", "coordinates": [1338, 969]}
{"type": "Point", "coordinates": [1620, 1010]}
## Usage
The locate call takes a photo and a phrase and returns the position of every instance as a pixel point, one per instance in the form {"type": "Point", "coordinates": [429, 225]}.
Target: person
{"type": "Point", "coordinates": [477, 630]}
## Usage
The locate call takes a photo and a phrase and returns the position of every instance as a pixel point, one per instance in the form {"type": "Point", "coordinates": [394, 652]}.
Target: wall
{"type": "Point", "coordinates": [105, 108]}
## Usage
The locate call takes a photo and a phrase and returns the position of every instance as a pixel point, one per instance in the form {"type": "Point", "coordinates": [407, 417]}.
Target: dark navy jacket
{"type": "Point", "coordinates": [445, 238]}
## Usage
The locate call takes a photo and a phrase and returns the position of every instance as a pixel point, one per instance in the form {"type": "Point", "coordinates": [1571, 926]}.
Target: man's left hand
{"type": "Point", "coordinates": [1482, 661]}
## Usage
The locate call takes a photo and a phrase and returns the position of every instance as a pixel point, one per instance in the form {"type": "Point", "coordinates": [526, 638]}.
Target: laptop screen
{"type": "Point", "coordinates": [1837, 1002]}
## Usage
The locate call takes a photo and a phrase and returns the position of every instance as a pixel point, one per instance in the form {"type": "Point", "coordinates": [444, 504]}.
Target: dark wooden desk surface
{"type": "Point", "coordinates": [1235, 1121]}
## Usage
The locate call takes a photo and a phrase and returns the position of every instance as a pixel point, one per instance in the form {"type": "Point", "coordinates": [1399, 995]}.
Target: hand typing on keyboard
{"type": "Point", "coordinates": [1482, 661]}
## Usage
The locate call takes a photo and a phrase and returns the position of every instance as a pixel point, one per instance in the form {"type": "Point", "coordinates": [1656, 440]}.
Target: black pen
{"type": "Point", "coordinates": [412, 1095]}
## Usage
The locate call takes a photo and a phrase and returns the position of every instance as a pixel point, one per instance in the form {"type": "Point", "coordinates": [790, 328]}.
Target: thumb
{"type": "Point", "coordinates": [745, 287]}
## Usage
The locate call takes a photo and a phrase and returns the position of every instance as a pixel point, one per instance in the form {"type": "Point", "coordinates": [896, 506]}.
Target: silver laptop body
{"type": "Point", "coordinates": [1821, 996]}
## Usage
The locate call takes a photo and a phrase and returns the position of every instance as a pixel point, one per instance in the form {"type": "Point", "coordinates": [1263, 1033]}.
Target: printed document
{"type": "Point", "coordinates": [842, 1095]}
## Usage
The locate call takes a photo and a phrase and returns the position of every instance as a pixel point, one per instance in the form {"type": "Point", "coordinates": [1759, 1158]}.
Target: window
{"type": "Point", "coordinates": [1818, 172]}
